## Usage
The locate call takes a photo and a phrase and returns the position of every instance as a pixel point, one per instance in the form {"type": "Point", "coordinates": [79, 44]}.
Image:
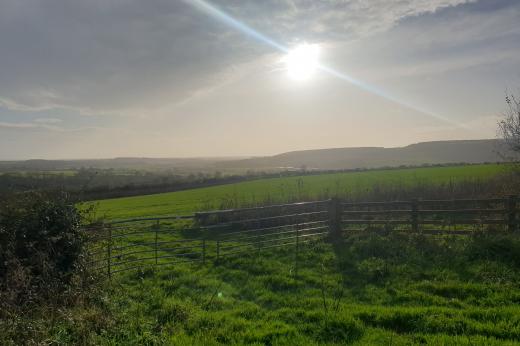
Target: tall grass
{"type": "Point", "coordinates": [370, 289]}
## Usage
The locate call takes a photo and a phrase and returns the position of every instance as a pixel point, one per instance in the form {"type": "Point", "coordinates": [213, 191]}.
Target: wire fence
{"type": "Point", "coordinates": [157, 241]}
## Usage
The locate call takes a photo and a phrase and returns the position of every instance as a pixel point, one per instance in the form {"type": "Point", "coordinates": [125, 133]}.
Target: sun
{"type": "Point", "coordinates": [301, 62]}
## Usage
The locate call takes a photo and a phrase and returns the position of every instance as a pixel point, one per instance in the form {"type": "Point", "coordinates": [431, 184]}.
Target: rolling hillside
{"type": "Point", "coordinates": [440, 152]}
{"type": "Point", "coordinates": [120, 163]}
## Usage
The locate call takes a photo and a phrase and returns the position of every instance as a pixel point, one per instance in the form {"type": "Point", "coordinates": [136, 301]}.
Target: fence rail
{"type": "Point", "coordinates": [451, 214]}
{"type": "Point", "coordinates": [155, 241]}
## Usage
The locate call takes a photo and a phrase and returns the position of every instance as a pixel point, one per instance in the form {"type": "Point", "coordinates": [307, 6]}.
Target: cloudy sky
{"type": "Point", "coordinates": [175, 78]}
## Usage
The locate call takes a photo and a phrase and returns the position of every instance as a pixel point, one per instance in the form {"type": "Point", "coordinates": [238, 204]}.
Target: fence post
{"type": "Point", "coordinates": [156, 230]}
{"type": "Point", "coordinates": [297, 250]}
{"type": "Point", "coordinates": [109, 251]}
{"type": "Point", "coordinates": [415, 216]}
{"type": "Point", "coordinates": [203, 251]}
{"type": "Point", "coordinates": [335, 217]}
{"type": "Point", "coordinates": [511, 213]}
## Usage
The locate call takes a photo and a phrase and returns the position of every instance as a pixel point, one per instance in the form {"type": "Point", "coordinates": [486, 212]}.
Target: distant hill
{"type": "Point", "coordinates": [120, 163]}
{"type": "Point", "coordinates": [439, 152]}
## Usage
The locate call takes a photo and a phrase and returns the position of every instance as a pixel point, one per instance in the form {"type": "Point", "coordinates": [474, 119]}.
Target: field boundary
{"type": "Point", "coordinates": [213, 235]}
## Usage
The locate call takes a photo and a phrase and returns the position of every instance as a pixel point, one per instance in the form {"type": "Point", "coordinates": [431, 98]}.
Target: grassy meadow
{"type": "Point", "coordinates": [368, 287]}
{"type": "Point", "coordinates": [365, 289]}
{"type": "Point", "coordinates": [368, 290]}
{"type": "Point", "coordinates": [288, 189]}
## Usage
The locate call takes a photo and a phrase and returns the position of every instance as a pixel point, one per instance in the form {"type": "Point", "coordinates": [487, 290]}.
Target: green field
{"type": "Point", "coordinates": [288, 189]}
{"type": "Point", "coordinates": [366, 289]}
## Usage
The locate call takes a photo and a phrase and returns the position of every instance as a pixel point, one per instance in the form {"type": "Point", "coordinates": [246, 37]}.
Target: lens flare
{"type": "Point", "coordinates": [302, 61]}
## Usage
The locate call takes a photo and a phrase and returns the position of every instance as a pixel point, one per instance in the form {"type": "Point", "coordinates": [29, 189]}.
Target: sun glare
{"type": "Point", "coordinates": [302, 61]}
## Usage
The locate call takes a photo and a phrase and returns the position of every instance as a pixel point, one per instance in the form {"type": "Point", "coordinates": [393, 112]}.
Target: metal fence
{"type": "Point", "coordinates": [129, 244]}
{"type": "Point", "coordinates": [457, 216]}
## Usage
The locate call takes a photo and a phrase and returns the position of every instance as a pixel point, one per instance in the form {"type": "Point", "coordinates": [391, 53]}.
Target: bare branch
{"type": "Point", "coordinates": [509, 125]}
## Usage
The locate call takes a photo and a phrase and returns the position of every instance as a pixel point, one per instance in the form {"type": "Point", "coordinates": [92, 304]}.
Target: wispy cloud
{"type": "Point", "coordinates": [48, 120]}
{"type": "Point", "coordinates": [45, 126]}
{"type": "Point", "coordinates": [319, 20]}
{"type": "Point", "coordinates": [15, 125]}
{"type": "Point", "coordinates": [143, 54]}
{"type": "Point", "coordinates": [161, 76]}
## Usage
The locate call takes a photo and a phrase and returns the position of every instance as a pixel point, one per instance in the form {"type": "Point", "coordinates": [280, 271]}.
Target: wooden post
{"type": "Point", "coordinates": [335, 217]}
{"type": "Point", "coordinates": [415, 216]}
{"type": "Point", "coordinates": [203, 251]}
{"type": "Point", "coordinates": [109, 251]}
{"type": "Point", "coordinates": [200, 218]}
{"type": "Point", "coordinates": [452, 217]}
{"type": "Point", "coordinates": [511, 214]}
{"type": "Point", "coordinates": [297, 250]}
{"type": "Point", "coordinates": [156, 231]}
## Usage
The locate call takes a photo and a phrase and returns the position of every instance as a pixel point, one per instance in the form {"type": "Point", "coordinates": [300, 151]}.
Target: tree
{"type": "Point", "coordinates": [509, 125]}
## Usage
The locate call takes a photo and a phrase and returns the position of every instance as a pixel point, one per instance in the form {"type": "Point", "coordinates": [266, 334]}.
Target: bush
{"type": "Point", "coordinates": [41, 245]}
{"type": "Point", "coordinates": [504, 248]}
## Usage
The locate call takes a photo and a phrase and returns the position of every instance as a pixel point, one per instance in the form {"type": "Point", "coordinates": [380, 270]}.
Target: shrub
{"type": "Point", "coordinates": [41, 245]}
{"type": "Point", "coordinates": [505, 248]}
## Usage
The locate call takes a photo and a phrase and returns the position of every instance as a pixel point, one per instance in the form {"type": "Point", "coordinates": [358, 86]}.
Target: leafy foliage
{"type": "Point", "coordinates": [42, 235]}
{"type": "Point", "coordinates": [41, 255]}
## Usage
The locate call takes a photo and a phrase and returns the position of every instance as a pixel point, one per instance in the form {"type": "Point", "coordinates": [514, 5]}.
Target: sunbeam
{"type": "Point", "coordinates": [225, 18]}
{"type": "Point", "coordinates": [232, 22]}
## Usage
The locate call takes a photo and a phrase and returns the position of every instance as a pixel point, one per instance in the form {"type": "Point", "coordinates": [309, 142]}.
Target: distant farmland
{"type": "Point", "coordinates": [276, 190]}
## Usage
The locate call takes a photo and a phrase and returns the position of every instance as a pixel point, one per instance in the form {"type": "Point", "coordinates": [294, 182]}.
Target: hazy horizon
{"type": "Point", "coordinates": [233, 157]}
{"type": "Point", "coordinates": [209, 79]}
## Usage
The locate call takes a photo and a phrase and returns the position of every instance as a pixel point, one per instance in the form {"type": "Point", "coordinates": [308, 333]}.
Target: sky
{"type": "Point", "coordinates": [194, 78]}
